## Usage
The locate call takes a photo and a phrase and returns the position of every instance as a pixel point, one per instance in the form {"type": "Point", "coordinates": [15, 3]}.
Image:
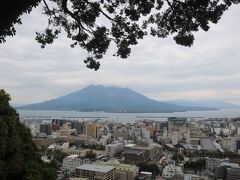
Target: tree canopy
{"type": "Point", "coordinates": [93, 24]}
{"type": "Point", "coordinates": [19, 158]}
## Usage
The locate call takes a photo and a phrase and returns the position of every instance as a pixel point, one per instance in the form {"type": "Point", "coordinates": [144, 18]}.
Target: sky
{"type": "Point", "coordinates": [157, 68]}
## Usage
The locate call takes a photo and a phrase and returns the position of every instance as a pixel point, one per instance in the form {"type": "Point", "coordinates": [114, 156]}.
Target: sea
{"type": "Point", "coordinates": [125, 117]}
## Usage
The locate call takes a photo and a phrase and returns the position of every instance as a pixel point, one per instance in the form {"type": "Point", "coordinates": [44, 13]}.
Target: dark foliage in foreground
{"type": "Point", "coordinates": [19, 158]}
{"type": "Point", "coordinates": [93, 24]}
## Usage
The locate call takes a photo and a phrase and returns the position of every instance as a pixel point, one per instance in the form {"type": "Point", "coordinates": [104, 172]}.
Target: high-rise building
{"type": "Point", "coordinates": [46, 128]}
{"type": "Point", "coordinates": [179, 125]}
{"type": "Point", "coordinates": [79, 126]}
{"type": "Point", "coordinates": [93, 130]}
{"type": "Point", "coordinates": [59, 122]}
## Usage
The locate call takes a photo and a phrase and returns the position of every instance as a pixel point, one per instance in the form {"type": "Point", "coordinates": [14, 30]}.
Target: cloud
{"type": "Point", "coordinates": [157, 68]}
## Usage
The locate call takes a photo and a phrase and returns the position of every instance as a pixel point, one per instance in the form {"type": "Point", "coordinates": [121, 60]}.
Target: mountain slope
{"type": "Point", "coordinates": [204, 103]}
{"type": "Point", "coordinates": [108, 99]}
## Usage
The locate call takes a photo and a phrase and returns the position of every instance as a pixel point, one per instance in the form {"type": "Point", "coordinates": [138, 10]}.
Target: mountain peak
{"type": "Point", "coordinates": [109, 99]}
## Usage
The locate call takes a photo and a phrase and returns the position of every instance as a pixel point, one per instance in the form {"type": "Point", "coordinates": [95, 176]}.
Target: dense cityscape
{"type": "Point", "coordinates": [119, 90]}
{"type": "Point", "coordinates": [176, 148]}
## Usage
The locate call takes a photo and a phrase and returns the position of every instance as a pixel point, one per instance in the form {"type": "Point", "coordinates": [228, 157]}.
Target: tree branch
{"type": "Point", "coordinates": [170, 5]}
{"type": "Point", "coordinates": [107, 16]}
{"type": "Point", "coordinates": [66, 10]}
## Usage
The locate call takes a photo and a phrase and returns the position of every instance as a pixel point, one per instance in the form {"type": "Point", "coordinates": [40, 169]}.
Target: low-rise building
{"type": "Point", "coordinates": [188, 177]}
{"type": "Point", "coordinates": [71, 162]}
{"type": "Point", "coordinates": [228, 171]}
{"type": "Point", "coordinates": [96, 172]}
{"type": "Point", "coordinates": [212, 163]}
{"type": "Point", "coordinates": [79, 152]}
{"type": "Point", "coordinates": [208, 144]}
{"type": "Point", "coordinates": [136, 152]}
{"type": "Point", "coordinates": [170, 170]}
{"type": "Point", "coordinates": [231, 143]}
{"type": "Point", "coordinates": [123, 171]}
{"type": "Point", "coordinates": [114, 148]}
{"type": "Point", "coordinates": [233, 173]}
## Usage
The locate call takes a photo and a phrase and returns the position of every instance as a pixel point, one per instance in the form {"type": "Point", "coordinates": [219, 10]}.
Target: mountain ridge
{"type": "Point", "coordinates": [212, 103]}
{"type": "Point", "coordinates": [109, 99]}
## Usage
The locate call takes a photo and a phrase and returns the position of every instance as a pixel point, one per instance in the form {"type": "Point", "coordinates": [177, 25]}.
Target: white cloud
{"type": "Point", "coordinates": [157, 67]}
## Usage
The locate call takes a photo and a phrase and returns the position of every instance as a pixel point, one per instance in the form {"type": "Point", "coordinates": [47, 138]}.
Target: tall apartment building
{"type": "Point", "coordinates": [59, 122]}
{"type": "Point", "coordinates": [46, 128]}
{"type": "Point", "coordinates": [176, 124]}
{"type": "Point", "coordinates": [79, 126]}
{"type": "Point", "coordinates": [96, 172]}
{"type": "Point", "coordinates": [112, 149]}
{"type": "Point", "coordinates": [93, 130]}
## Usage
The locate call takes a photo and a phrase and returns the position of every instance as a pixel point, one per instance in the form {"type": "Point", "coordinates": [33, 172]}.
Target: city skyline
{"type": "Point", "coordinates": [157, 68]}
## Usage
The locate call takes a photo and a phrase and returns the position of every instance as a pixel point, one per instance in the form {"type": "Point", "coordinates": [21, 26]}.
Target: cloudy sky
{"type": "Point", "coordinates": [157, 68]}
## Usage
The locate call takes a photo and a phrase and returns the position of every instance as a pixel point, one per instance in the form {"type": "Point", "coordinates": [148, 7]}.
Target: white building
{"type": "Point", "coordinates": [113, 149]}
{"type": "Point", "coordinates": [230, 143]}
{"type": "Point", "coordinates": [176, 137]}
{"type": "Point", "coordinates": [238, 130]}
{"type": "Point", "coordinates": [79, 152]}
{"type": "Point", "coordinates": [104, 139]}
{"type": "Point", "coordinates": [212, 163]}
{"type": "Point", "coordinates": [34, 129]}
{"type": "Point", "coordinates": [65, 146]}
{"type": "Point", "coordinates": [71, 162]}
{"type": "Point", "coordinates": [170, 170]}
{"type": "Point", "coordinates": [135, 131]}
{"type": "Point", "coordinates": [145, 133]}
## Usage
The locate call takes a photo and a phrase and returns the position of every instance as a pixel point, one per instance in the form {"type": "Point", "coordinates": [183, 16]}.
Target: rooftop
{"type": "Point", "coordinates": [129, 145]}
{"type": "Point", "coordinates": [96, 168]}
{"type": "Point", "coordinates": [131, 151]}
{"type": "Point", "coordinates": [114, 144]}
{"type": "Point", "coordinates": [117, 164]}
{"type": "Point", "coordinates": [177, 119]}
{"type": "Point", "coordinates": [233, 165]}
{"type": "Point", "coordinates": [207, 143]}
{"type": "Point", "coordinates": [72, 156]}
